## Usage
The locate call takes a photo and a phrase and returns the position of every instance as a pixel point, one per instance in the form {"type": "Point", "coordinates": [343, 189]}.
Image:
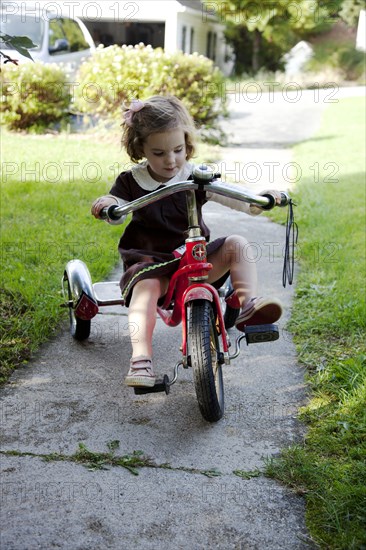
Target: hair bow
{"type": "Point", "coordinates": [136, 105]}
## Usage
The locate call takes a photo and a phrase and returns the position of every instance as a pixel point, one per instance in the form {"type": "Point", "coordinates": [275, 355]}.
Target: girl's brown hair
{"type": "Point", "coordinates": [158, 114]}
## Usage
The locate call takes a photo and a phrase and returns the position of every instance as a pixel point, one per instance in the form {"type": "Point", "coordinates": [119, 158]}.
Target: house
{"type": "Point", "coordinates": [190, 26]}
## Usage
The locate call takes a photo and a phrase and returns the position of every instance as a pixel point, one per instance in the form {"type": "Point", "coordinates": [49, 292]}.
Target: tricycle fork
{"type": "Point", "coordinates": [203, 291]}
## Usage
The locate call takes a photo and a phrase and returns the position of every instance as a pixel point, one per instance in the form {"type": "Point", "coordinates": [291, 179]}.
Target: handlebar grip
{"type": "Point", "coordinates": [110, 212]}
{"type": "Point", "coordinates": [103, 214]}
{"type": "Point", "coordinates": [107, 213]}
{"type": "Point", "coordinates": [285, 199]}
{"type": "Point", "coordinates": [271, 204]}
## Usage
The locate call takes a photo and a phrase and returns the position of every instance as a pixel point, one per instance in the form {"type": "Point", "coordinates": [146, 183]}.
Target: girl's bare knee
{"type": "Point", "coordinates": [236, 240]}
{"type": "Point", "coordinates": [235, 247]}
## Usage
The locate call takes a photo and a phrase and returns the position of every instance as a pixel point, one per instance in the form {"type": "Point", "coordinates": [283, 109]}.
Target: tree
{"type": "Point", "coordinates": [271, 28]}
{"type": "Point", "coordinates": [350, 11]}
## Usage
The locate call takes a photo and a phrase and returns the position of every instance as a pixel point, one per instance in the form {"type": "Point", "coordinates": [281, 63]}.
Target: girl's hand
{"type": "Point", "coordinates": [101, 203]}
{"type": "Point", "coordinates": [275, 194]}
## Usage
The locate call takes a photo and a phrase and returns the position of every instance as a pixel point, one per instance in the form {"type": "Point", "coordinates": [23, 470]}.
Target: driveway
{"type": "Point", "coordinates": [190, 494]}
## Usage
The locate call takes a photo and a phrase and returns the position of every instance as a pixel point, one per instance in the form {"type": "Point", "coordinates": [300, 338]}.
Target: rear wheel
{"type": "Point", "coordinates": [206, 360]}
{"type": "Point", "coordinates": [79, 328]}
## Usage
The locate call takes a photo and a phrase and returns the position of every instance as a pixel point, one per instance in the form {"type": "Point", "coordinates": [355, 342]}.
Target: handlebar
{"type": "Point", "coordinates": [266, 202]}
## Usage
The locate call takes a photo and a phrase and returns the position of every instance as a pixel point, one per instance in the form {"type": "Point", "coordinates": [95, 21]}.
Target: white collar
{"type": "Point", "coordinates": [144, 180]}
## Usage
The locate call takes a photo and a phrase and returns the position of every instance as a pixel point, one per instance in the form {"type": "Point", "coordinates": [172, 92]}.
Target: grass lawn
{"type": "Point", "coordinates": [328, 323]}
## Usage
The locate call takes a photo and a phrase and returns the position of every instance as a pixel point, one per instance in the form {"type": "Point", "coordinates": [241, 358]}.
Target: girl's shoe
{"type": "Point", "coordinates": [141, 372]}
{"type": "Point", "coordinates": [259, 311]}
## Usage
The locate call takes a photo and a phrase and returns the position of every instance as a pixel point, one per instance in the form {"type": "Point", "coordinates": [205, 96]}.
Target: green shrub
{"type": "Point", "coordinates": [115, 75]}
{"type": "Point", "coordinates": [33, 96]}
{"type": "Point", "coordinates": [341, 57]}
{"type": "Point", "coordinates": [352, 63]}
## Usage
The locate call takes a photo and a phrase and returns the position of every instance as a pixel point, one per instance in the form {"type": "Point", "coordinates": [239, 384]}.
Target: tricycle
{"type": "Point", "coordinates": [206, 314]}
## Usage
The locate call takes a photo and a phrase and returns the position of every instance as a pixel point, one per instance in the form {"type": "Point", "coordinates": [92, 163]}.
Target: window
{"type": "Point", "coordinates": [191, 43]}
{"type": "Point", "coordinates": [71, 35]}
{"type": "Point", "coordinates": [208, 44]}
{"type": "Point", "coordinates": [56, 34]}
{"type": "Point", "coordinates": [14, 25]}
{"type": "Point", "coordinates": [214, 45]}
{"type": "Point", "coordinates": [211, 45]}
{"type": "Point", "coordinates": [184, 38]}
{"type": "Point", "coordinates": [74, 35]}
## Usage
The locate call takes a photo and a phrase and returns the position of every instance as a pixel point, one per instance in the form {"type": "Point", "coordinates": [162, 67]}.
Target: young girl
{"type": "Point", "coordinates": [161, 131]}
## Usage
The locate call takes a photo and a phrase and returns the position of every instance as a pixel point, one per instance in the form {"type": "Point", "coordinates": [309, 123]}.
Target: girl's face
{"type": "Point", "coordinates": [165, 153]}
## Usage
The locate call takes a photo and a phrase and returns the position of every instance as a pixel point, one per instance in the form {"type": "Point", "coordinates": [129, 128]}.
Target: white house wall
{"type": "Point", "coordinates": [201, 29]}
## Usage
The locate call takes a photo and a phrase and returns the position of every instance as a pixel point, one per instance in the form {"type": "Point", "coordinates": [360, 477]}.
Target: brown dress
{"type": "Point", "coordinates": [155, 231]}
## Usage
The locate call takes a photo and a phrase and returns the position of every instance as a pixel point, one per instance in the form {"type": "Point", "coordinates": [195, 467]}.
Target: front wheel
{"type": "Point", "coordinates": [206, 359]}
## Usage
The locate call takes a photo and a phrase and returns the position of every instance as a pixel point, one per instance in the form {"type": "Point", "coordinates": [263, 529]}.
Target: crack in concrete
{"type": "Point", "coordinates": [117, 461]}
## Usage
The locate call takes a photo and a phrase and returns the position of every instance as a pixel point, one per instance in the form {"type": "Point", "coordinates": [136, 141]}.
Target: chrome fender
{"type": "Point", "coordinates": [84, 301]}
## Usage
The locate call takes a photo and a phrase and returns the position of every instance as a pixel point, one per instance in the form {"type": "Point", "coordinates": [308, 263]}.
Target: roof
{"type": "Point", "coordinates": [193, 4]}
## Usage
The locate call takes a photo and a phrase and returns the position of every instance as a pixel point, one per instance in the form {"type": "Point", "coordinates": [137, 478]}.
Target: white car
{"type": "Point", "coordinates": [60, 39]}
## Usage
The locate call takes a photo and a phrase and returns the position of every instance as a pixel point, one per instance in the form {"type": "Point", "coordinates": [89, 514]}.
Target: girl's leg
{"type": "Point", "coordinates": [142, 314]}
{"type": "Point", "coordinates": [234, 256]}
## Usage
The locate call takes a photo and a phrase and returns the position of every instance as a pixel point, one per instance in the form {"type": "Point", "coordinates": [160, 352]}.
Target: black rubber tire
{"type": "Point", "coordinates": [79, 328]}
{"type": "Point", "coordinates": [204, 351]}
{"type": "Point", "coordinates": [230, 314]}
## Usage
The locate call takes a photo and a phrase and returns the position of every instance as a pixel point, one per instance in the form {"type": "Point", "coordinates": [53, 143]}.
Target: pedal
{"type": "Point", "coordinates": [162, 384]}
{"type": "Point", "coordinates": [255, 334]}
